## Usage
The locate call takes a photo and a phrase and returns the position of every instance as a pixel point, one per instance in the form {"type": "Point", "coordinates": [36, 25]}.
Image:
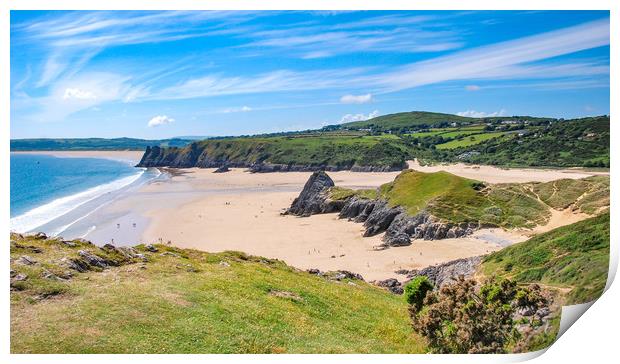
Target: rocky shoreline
{"type": "Point", "coordinates": [377, 216]}
{"type": "Point", "coordinates": [159, 157]}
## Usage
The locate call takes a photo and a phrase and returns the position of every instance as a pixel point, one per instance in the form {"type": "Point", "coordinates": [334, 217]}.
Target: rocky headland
{"type": "Point", "coordinates": [377, 216]}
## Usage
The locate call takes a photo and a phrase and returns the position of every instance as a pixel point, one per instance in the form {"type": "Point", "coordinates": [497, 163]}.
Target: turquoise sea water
{"type": "Point", "coordinates": [44, 187]}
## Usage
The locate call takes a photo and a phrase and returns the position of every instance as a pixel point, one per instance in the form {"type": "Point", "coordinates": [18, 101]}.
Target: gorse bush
{"type": "Point", "coordinates": [416, 290]}
{"type": "Point", "coordinates": [466, 318]}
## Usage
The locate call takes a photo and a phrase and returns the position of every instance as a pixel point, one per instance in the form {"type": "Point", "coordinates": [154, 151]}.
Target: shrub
{"type": "Point", "coordinates": [416, 290]}
{"type": "Point", "coordinates": [465, 318]}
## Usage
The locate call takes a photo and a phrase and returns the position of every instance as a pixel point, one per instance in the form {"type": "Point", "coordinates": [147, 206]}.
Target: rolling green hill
{"type": "Point", "coordinates": [573, 259]}
{"type": "Point", "coordinates": [167, 300]}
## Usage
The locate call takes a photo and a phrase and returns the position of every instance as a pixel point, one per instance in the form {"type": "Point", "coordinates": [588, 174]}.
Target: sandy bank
{"type": "Point", "coordinates": [492, 174]}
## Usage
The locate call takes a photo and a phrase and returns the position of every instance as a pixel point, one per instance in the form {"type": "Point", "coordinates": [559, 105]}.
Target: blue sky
{"type": "Point", "coordinates": [162, 74]}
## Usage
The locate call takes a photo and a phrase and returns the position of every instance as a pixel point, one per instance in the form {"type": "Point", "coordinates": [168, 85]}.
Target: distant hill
{"type": "Point", "coordinates": [93, 144]}
{"type": "Point", "coordinates": [408, 120]}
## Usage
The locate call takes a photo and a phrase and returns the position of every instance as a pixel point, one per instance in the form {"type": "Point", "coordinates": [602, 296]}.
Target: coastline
{"type": "Point", "coordinates": [237, 210]}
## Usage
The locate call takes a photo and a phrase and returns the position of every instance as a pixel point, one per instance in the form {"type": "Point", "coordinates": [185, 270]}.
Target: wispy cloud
{"type": "Point", "coordinates": [356, 99]}
{"type": "Point", "coordinates": [481, 114]}
{"type": "Point", "coordinates": [229, 110]}
{"type": "Point", "coordinates": [358, 117]}
{"type": "Point", "coordinates": [509, 59]}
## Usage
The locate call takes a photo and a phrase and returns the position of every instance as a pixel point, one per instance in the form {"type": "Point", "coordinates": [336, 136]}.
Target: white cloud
{"type": "Point", "coordinates": [160, 120]}
{"type": "Point", "coordinates": [76, 93]}
{"type": "Point", "coordinates": [481, 114]}
{"type": "Point", "coordinates": [472, 87]}
{"type": "Point", "coordinates": [356, 99]}
{"type": "Point", "coordinates": [358, 117]}
{"type": "Point", "coordinates": [236, 109]}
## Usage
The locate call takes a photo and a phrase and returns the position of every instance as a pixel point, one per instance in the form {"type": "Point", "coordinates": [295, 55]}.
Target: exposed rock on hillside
{"type": "Point", "coordinates": [314, 199]}
{"type": "Point", "coordinates": [439, 275]}
{"type": "Point", "coordinates": [216, 155]}
{"type": "Point", "coordinates": [446, 272]}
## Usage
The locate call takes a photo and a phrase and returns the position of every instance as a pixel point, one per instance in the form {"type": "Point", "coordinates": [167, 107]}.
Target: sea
{"type": "Point", "coordinates": [54, 194]}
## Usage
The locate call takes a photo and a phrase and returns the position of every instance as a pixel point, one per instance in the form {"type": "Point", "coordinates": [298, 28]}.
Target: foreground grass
{"type": "Point", "coordinates": [187, 301]}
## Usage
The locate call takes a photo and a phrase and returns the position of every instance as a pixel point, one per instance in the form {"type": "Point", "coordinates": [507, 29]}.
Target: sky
{"type": "Point", "coordinates": [148, 74]}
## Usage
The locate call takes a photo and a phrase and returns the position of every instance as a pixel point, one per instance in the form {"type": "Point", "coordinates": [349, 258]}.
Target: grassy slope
{"type": "Point", "coordinates": [574, 258]}
{"type": "Point", "coordinates": [468, 140]}
{"type": "Point", "coordinates": [194, 304]}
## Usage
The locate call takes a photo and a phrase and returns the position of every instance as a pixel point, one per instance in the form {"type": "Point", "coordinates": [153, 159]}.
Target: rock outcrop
{"type": "Point", "coordinates": [400, 227]}
{"type": "Point", "coordinates": [314, 198]}
{"type": "Point", "coordinates": [439, 275]}
{"type": "Point", "coordinates": [222, 169]}
{"type": "Point", "coordinates": [377, 216]}
{"type": "Point", "coordinates": [446, 272]}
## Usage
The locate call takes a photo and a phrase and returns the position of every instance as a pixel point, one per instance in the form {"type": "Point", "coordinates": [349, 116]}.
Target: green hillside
{"type": "Point", "coordinates": [340, 150]}
{"type": "Point", "coordinates": [579, 142]}
{"type": "Point", "coordinates": [573, 258]}
{"type": "Point", "coordinates": [186, 301]}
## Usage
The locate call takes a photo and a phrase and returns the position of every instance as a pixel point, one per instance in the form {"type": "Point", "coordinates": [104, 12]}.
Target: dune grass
{"type": "Point", "coordinates": [186, 301]}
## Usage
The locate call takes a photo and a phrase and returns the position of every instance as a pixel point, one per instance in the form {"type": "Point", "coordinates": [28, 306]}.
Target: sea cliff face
{"type": "Point", "coordinates": [257, 158]}
{"type": "Point", "coordinates": [377, 216]}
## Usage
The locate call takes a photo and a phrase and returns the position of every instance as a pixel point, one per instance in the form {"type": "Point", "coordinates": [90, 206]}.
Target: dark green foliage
{"type": "Point", "coordinates": [461, 318]}
{"type": "Point", "coordinates": [578, 142]}
{"type": "Point", "coordinates": [574, 256]}
{"type": "Point", "coordinates": [416, 290]}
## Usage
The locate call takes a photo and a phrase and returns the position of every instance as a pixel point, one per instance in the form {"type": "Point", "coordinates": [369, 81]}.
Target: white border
{"type": "Point", "coordinates": [589, 340]}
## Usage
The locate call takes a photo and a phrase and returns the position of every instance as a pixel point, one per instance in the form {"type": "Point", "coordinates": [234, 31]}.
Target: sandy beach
{"type": "Point", "coordinates": [241, 211]}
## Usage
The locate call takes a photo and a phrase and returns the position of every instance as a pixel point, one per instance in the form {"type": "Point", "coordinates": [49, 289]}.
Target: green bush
{"type": "Point", "coordinates": [416, 290]}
